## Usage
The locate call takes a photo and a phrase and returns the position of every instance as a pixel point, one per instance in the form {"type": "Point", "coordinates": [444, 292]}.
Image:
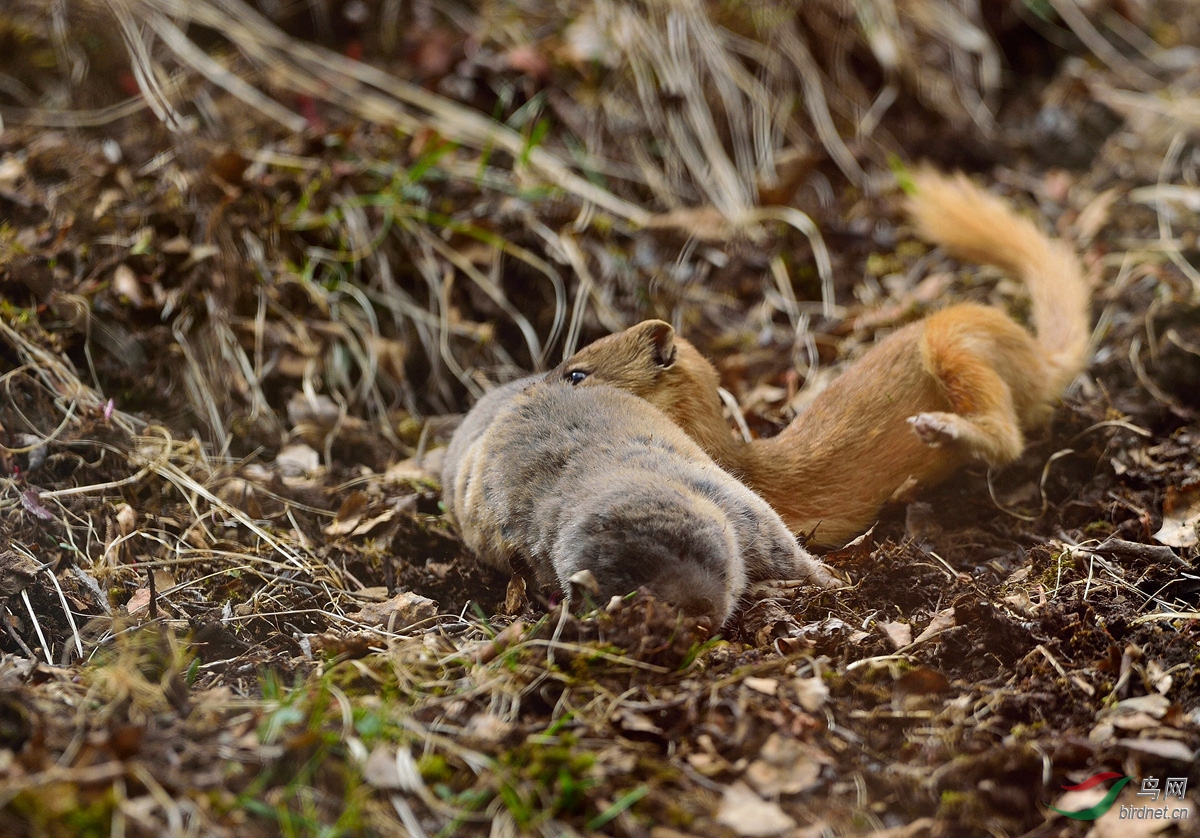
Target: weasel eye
{"type": "Point", "coordinates": [575, 376]}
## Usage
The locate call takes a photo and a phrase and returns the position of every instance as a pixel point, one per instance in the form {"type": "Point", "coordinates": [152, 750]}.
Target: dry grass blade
{"type": "Point", "coordinates": [365, 91]}
{"type": "Point", "coordinates": [77, 118]}
{"type": "Point", "coordinates": [33, 618]}
{"type": "Point", "coordinates": [813, 81]}
{"type": "Point", "coordinates": [194, 57]}
{"type": "Point", "coordinates": [60, 380]}
{"type": "Point", "coordinates": [1083, 27]}
{"type": "Point", "coordinates": [145, 70]}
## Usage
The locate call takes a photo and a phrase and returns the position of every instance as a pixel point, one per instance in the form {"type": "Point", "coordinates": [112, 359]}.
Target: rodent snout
{"type": "Point", "coordinates": [680, 556]}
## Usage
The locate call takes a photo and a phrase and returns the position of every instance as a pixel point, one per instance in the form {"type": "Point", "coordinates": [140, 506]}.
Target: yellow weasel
{"type": "Point", "coordinates": [962, 384]}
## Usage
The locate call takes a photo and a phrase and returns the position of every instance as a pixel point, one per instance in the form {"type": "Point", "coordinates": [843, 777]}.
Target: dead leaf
{"type": "Point", "coordinates": [488, 728]}
{"type": "Point", "coordinates": [1181, 519]}
{"type": "Point", "coordinates": [763, 398]}
{"type": "Point", "coordinates": [516, 595]}
{"type": "Point", "coordinates": [1155, 705]}
{"type": "Point", "coordinates": [633, 722]}
{"type": "Point", "coordinates": [16, 572]}
{"type": "Point", "coordinates": [922, 680]}
{"type": "Point", "coordinates": [401, 611]}
{"type": "Point", "coordinates": [405, 504]}
{"type": "Point", "coordinates": [139, 600]}
{"type": "Point", "coordinates": [31, 500]}
{"type": "Point", "coordinates": [766, 686]}
{"type": "Point", "coordinates": [126, 284]}
{"type": "Point", "coordinates": [320, 410]}
{"type": "Point", "coordinates": [1092, 218]}
{"type": "Point", "coordinates": [1136, 721]}
{"type": "Point", "coordinates": [898, 634]}
{"type": "Point", "coordinates": [352, 506]}
{"type": "Point", "coordinates": [1019, 602]}
{"type": "Point", "coordinates": [786, 766]}
{"type": "Point", "coordinates": [1159, 677]}
{"type": "Point", "coordinates": [812, 693]}
{"type": "Point", "coordinates": [1164, 748]}
{"type": "Point", "coordinates": [229, 165]}
{"type": "Point", "coordinates": [1120, 549]}
{"type": "Point", "coordinates": [409, 470]}
{"type": "Point", "coordinates": [107, 199]}
{"type": "Point", "coordinates": [1075, 801]}
{"type": "Point", "coordinates": [940, 622]}
{"type": "Point", "coordinates": [380, 770]}
{"type": "Point", "coordinates": [297, 459]}
{"type": "Point", "coordinates": [356, 525]}
{"type": "Point", "coordinates": [747, 814]}
{"type": "Point", "coordinates": [126, 518]}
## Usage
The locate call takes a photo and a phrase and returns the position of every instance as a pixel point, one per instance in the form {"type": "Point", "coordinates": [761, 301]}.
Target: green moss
{"type": "Point", "coordinates": [954, 803]}
{"type": "Point", "coordinates": [434, 769]}
{"type": "Point", "coordinates": [369, 724]}
{"type": "Point", "coordinates": [544, 780]}
{"type": "Point", "coordinates": [679, 816]}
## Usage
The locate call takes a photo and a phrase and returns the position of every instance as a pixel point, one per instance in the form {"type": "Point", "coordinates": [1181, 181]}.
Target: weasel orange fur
{"type": "Point", "coordinates": [962, 384]}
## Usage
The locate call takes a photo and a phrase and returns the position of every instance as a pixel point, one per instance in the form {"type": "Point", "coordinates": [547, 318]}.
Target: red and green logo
{"type": "Point", "coordinates": [1093, 812]}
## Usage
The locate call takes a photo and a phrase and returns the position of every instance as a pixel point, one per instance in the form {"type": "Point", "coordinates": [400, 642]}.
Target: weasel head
{"type": "Point", "coordinates": [650, 361]}
{"type": "Point", "coordinates": [639, 360]}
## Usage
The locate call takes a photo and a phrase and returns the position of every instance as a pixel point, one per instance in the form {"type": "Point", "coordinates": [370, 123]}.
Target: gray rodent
{"type": "Point", "coordinates": [596, 479]}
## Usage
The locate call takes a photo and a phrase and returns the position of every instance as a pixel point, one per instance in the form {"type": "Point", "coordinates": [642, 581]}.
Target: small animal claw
{"type": "Point", "coordinates": [933, 430]}
{"type": "Point", "coordinates": [585, 581]}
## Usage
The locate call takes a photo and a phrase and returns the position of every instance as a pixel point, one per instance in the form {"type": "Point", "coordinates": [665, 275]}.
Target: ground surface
{"type": "Point", "coordinates": [228, 355]}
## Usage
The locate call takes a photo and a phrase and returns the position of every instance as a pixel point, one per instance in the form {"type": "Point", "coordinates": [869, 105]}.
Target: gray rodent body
{"type": "Point", "coordinates": [596, 479]}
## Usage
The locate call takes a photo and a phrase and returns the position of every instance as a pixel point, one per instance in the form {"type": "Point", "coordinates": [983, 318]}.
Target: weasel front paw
{"type": "Point", "coordinates": [935, 429]}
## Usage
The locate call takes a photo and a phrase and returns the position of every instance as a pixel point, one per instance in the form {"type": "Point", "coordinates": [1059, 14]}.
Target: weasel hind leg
{"type": "Point", "coordinates": [982, 422]}
{"type": "Point", "coordinates": [984, 437]}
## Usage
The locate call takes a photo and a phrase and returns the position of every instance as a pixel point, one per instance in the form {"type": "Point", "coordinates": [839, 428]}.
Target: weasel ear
{"type": "Point", "coordinates": [662, 341]}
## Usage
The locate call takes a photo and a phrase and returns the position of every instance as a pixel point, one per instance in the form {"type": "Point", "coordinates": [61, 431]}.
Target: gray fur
{"type": "Point", "coordinates": [597, 479]}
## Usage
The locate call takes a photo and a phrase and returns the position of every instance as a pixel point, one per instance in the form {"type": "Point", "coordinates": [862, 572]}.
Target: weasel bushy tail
{"type": "Point", "coordinates": [974, 225]}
